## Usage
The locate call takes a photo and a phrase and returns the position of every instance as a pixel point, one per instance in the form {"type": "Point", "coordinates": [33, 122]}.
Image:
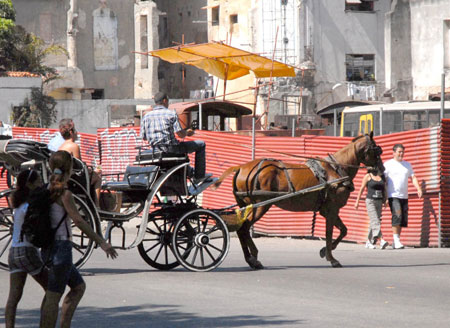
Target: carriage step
{"type": "Point", "coordinates": [202, 186]}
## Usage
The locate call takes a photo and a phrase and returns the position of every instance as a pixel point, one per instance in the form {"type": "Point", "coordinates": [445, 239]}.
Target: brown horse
{"type": "Point", "coordinates": [262, 179]}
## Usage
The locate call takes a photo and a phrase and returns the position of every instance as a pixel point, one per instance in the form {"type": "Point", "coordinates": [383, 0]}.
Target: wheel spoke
{"type": "Point", "coordinates": [6, 246]}
{"type": "Point", "coordinates": [195, 256]}
{"type": "Point", "coordinates": [152, 247]}
{"type": "Point", "coordinates": [209, 253]}
{"type": "Point", "coordinates": [216, 248]}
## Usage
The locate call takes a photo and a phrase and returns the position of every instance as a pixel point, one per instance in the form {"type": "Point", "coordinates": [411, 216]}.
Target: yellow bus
{"type": "Point", "coordinates": [390, 118]}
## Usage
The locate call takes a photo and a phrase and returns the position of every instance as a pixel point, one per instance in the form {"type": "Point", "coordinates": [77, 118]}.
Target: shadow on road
{"type": "Point", "coordinates": [153, 315]}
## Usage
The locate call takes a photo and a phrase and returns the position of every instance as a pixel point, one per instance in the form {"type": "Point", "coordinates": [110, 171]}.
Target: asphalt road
{"type": "Point", "coordinates": [376, 288]}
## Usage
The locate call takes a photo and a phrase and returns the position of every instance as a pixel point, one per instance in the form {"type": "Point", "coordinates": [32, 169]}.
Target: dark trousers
{"type": "Point", "coordinates": [197, 146]}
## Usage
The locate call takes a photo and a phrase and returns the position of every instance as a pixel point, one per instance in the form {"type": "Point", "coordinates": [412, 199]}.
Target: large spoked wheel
{"type": "Point", "coordinates": [6, 227]}
{"type": "Point", "coordinates": [201, 240]}
{"type": "Point", "coordinates": [156, 247]}
{"type": "Point", "coordinates": [82, 245]}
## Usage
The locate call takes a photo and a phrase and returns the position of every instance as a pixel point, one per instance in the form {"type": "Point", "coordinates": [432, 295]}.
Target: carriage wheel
{"type": "Point", "coordinates": [201, 240]}
{"type": "Point", "coordinates": [6, 226]}
{"type": "Point", "coordinates": [156, 248]}
{"type": "Point", "coordinates": [81, 244]}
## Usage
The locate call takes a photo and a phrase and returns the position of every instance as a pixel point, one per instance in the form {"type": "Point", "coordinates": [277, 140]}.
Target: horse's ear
{"type": "Point", "coordinates": [371, 135]}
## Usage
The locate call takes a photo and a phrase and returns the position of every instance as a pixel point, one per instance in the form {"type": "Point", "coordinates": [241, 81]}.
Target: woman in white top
{"type": "Point", "coordinates": [62, 272]}
{"type": "Point", "coordinates": [23, 257]}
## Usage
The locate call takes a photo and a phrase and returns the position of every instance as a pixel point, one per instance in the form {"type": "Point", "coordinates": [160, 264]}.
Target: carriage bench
{"type": "Point", "coordinates": [135, 177]}
{"type": "Point", "coordinates": [153, 156]}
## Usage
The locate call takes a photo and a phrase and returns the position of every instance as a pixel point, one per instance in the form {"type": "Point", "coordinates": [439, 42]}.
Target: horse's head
{"type": "Point", "coordinates": [368, 152]}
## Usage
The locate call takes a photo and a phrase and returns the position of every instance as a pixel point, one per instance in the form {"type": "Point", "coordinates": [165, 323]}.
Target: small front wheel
{"type": "Point", "coordinates": [6, 227]}
{"type": "Point", "coordinates": [200, 240]}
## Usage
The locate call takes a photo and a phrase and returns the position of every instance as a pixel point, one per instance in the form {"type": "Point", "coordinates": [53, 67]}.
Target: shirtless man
{"type": "Point", "coordinates": [69, 133]}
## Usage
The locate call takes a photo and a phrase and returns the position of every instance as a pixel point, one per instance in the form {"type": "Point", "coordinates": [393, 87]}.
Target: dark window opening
{"type": "Point", "coordinates": [215, 15]}
{"type": "Point", "coordinates": [98, 94]}
{"type": "Point", "coordinates": [359, 5]}
{"type": "Point", "coordinates": [360, 67]}
{"type": "Point", "coordinates": [233, 19]}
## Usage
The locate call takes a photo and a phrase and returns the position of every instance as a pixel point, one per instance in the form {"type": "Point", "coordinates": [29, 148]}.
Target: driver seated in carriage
{"type": "Point", "coordinates": [159, 127]}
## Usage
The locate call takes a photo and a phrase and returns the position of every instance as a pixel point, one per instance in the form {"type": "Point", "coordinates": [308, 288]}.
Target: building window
{"type": "Point", "coordinates": [233, 19]}
{"type": "Point", "coordinates": [215, 15]}
{"type": "Point", "coordinates": [98, 94]}
{"type": "Point", "coordinates": [360, 67]}
{"type": "Point", "coordinates": [359, 5]}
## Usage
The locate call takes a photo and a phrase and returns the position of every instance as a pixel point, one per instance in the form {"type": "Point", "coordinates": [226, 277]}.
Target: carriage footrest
{"type": "Point", "coordinates": [135, 177]}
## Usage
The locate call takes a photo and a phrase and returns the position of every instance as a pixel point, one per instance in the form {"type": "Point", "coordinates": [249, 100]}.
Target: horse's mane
{"type": "Point", "coordinates": [358, 137]}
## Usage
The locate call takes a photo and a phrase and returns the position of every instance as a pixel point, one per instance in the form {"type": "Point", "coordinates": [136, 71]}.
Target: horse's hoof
{"type": "Point", "coordinates": [323, 252]}
{"type": "Point", "coordinates": [336, 264]}
{"type": "Point", "coordinates": [255, 264]}
{"type": "Point", "coordinates": [258, 266]}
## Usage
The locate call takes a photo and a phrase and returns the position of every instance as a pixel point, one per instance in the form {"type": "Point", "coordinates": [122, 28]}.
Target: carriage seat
{"type": "Point", "coordinates": [153, 156]}
{"type": "Point", "coordinates": [135, 177]}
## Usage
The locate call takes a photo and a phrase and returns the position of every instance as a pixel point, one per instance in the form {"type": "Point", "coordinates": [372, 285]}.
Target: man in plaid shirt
{"type": "Point", "coordinates": [159, 127]}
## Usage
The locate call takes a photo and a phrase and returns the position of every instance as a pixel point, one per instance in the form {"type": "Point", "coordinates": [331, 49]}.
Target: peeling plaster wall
{"type": "Point", "coordinates": [46, 19]}
{"type": "Point", "coordinates": [180, 18]}
{"type": "Point", "coordinates": [115, 72]}
{"type": "Point", "coordinates": [106, 59]}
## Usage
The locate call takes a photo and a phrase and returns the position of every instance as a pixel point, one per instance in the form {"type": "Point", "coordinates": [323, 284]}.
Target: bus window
{"type": "Point", "coordinates": [392, 122]}
{"type": "Point", "coordinates": [413, 120]}
{"type": "Point", "coordinates": [433, 118]}
{"type": "Point", "coordinates": [350, 126]}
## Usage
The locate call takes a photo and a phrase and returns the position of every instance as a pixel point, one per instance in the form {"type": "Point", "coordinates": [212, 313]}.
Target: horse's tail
{"type": "Point", "coordinates": [230, 170]}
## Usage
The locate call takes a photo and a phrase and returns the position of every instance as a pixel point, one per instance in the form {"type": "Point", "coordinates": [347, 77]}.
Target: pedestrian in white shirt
{"type": "Point", "coordinates": [398, 172]}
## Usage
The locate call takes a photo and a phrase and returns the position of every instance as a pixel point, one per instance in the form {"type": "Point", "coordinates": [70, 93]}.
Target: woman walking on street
{"type": "Point", "coordinates": [24, 258]}
{"type": "Point", "coordinates": [62, 272]}
{"type": "Point", "coordinates": [375, 199]}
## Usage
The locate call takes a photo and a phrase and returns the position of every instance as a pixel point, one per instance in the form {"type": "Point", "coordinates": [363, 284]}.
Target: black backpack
{"type": "Point", "coordinates": [37, 222]}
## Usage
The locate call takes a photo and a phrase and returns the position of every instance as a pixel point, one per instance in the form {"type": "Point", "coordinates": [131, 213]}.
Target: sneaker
{"type": "Point", "coordinates": [397, 245]}
{"type": "Point", "coordinates": [383, 244]}
{"type": "Point", "coordinates": [370, 245]}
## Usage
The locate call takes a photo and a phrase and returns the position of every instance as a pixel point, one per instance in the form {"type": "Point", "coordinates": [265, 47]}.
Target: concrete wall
{"type": "Point", "coordinates": [106, 57]}
{"type": "Point", "coordinates": [427, 45]}
{"type": "Point", "coordinates": [330, 32]}
{"type": "Point", "coordinates": [181, 18]}
{"type": "Point", "coordinates": [13, 91]}
{"type": "Point", "coordinates": [417, 39]}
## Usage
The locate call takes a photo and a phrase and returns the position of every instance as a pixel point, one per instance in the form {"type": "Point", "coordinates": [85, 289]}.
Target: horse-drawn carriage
{"type": "Point", "coordinates": [173, 229]}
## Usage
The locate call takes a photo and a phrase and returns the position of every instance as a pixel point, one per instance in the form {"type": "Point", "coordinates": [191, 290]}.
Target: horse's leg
{"type": "Point", "coordinates": [343, 232]}
{"type": "Point", "coordinates": [326, 251]}
{"type": "Point", "coordinates": [248, 246]}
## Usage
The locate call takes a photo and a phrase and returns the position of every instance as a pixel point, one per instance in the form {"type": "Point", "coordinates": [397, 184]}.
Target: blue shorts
{"type": "Point", "coordinates": [62, 272]}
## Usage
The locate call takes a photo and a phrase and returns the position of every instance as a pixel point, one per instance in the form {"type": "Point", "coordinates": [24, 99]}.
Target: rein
{"type": "Point", "coordinates": [296, 156]}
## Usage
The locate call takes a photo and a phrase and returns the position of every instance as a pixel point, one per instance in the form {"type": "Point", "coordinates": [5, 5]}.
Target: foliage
{"type": "Point", "coordinates": [38, 111]}
{"type": "Point", "coordinates": [7, 10]}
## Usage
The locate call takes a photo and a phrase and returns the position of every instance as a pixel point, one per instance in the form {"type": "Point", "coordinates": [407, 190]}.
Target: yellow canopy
{"type": "Point", "coordinates": [225, 62]}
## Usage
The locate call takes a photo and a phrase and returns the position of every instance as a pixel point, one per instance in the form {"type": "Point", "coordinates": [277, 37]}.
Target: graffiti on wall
{"type": "Point", "coordinates": [118, 148]}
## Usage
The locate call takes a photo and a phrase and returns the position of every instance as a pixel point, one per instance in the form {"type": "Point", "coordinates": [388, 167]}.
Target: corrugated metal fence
{"type": "Point", "coordinates": [445, 183]}
{"type": "Point", "coordinates": [423, 151]}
